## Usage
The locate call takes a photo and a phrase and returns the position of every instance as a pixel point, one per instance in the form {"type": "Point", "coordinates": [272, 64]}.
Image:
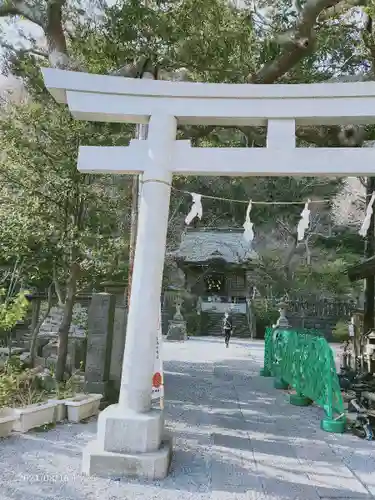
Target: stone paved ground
{"type": "Point", "coordinates": [235, 438]}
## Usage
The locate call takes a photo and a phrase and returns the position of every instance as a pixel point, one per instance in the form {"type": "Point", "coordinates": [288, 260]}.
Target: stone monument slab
{"type": "Point", "coordinates": [99, 342]}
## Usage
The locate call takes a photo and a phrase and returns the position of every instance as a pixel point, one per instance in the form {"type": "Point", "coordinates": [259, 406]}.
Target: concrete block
{"type": "Point", "coordinates": [122, 431]}
{"type": "Point", "coordinates": [154, 465]}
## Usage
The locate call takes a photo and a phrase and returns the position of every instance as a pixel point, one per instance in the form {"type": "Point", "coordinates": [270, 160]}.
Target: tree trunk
{"type": "Point", "coordinates": [63, 333]}
{"type": "Point", "coordinates": [9, 341]}
{"type": "Point", "coordinates": [369, 292]}
{"type": "Point", "coordinates": [54, 31]}
{"type": "Point", "coordinates": [35, 311]}
{"type": "Point", "coordinates": [36, 328]}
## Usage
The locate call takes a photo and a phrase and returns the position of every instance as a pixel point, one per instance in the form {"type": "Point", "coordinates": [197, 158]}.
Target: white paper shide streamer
{"type": "Point", "coordinates": [196, 208]}
{"type": "Point", "coordinates": [304, 222]}
{"type": "Point", "coordinates": [248, 225]}
{"type": "Point", "coordinates": [366, 223]}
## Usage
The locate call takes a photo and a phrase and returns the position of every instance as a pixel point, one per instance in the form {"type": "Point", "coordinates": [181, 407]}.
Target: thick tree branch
{"type": "Point", "coordinates": [296, 44]}
{"type": "Point", "coordinates": [54, 32]}
{"type": "Point", "coordinates": [32, 51]}
{"type": "Point", "coordinates": [58, 290]}
{"type": "Point", "coordinates": [35, 332]}
{"type": "Point", "coordinates": [50, 20]}
{"type": "Point", "coordinates": [137, 68]}
{"type": "Point", "coordinates": [341, 8]}
{"type": "Point", "coordinates": [253, 136]}
{"type": "Point", "coordinates": [21, 8]}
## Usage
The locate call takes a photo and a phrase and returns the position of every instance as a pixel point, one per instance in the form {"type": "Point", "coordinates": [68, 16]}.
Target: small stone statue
{"type": "Point", "coordinates": [178, 316]}
{"type": "Point", "coordinates": [282, 322]}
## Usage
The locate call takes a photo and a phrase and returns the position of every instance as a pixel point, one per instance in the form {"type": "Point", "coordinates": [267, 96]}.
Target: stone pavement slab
{"type": "Point", "coordinates": [236, 438]}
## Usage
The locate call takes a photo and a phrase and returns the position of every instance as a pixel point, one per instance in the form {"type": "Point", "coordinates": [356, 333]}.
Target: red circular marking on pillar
{"type": "Point", "coordinates": [156, 380]}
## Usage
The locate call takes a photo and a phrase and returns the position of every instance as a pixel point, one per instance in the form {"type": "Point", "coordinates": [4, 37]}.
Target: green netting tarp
{"type": "Point", "coordinates": [305, 361]}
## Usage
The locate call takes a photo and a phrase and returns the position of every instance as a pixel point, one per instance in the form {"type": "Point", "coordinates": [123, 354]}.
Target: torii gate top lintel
{"type": "Point", "coordinates": [280, 107]}
{"type": "Point", "coordinates": [118, 99]}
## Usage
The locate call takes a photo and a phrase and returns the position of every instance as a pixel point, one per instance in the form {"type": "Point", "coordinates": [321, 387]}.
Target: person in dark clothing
{"type": "Point", "coordinates": [228, 327]}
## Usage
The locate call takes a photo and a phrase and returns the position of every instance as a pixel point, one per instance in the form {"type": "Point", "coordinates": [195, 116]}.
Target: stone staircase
{"type": "Point", "coordinates": [212, 324]}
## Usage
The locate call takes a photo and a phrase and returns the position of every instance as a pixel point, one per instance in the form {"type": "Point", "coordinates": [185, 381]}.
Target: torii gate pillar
{"type": "Point", "coordinates": [131, 438]}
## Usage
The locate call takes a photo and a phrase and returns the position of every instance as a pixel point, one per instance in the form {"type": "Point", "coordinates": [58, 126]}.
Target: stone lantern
{"type": "Point", "coordinates": [282, 322]}
{"type": "Point", "coordinates": [177, 326]}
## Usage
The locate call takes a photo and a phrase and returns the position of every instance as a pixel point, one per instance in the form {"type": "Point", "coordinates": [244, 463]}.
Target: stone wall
{"type": "Point", "coordinates": [324, 324]}
{"type": "Point", "coordinates": [78, 331]}
{"type": "Point", "coordinates": [322, 315]}
{"type": "Point", "coordinates": [51, 324]}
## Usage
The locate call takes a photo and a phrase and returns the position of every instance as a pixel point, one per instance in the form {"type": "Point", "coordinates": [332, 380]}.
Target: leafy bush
{"type": "Point", "coordinates": [66, 389]}
{"type": "Point", "coordinates": [341, 331]}
{"type": "Point", "coordinates": [192, 323]}
{"type": "Point", "coordinates": [265, 315]}
{"type": "Point", "coordinates": [13, 365]}
{"type": "Point", "coordinates": [12, 309]}
{"type": "Point", "coordinates": [8, 388]}
{"type": "Point", "coordinates": [18, 389]}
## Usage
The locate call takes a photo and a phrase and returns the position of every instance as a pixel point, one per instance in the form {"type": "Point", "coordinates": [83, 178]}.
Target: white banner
{"type": "Point", "coordinates": [158, 377]}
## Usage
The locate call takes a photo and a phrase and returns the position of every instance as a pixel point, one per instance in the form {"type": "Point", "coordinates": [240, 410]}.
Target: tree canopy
{"type": "Point", "coordinates": [52, 215]}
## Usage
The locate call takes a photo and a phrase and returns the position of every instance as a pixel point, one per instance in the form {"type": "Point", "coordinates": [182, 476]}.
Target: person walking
{"type": "Point", "coordinates": [227, 327]}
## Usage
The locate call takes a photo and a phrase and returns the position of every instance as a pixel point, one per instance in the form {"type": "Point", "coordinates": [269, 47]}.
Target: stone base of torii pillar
{"type": "Point", "coordinates": [149, 449]}
{"type": "Point", "coordinates": [131, 440]}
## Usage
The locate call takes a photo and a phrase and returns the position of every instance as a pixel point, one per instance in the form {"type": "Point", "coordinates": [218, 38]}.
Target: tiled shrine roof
{"type": "Point", "coordinates": [205, 244]}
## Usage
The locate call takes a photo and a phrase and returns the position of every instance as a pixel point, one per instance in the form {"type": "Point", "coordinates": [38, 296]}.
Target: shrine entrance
{"type": "Point", "coordinates": [215, 284]}
{"type": "Point", "coordinates": [131, 439]}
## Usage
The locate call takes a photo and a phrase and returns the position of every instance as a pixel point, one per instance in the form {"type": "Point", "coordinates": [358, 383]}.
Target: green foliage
{"type": "Point", "coordinates": [67, 217]}
{"type": "Point", "coordinates": [20, 388]}
{"type": "Point", "coordinates": [8, 388]}
{"type": "Point", "coordinates": [341, 332]}
{"type": "Point", "coordinates": [66, 389]}
{"type": "Point", "coordinates": [266, 315]}
{"type": "Point", "coordinates": [213, 39]}
{"type": "Point", "coordinates": [192, 323]}
{"type": "Point", "coordinates": [13, 365]}
{"type": "Point", "coordinates": [329, 277]}
{"type": "Point", "coordinates": [64, 216]}
{"type": "Point", "coordinates": [12, 309]}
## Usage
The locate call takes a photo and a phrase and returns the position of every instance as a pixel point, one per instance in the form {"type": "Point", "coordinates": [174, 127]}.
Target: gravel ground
{"type": "Point", "coordinates": [235, 438]}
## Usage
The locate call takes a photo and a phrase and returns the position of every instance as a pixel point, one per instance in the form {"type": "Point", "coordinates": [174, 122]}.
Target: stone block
{"type": "Point", "coordinates": [96, 387]}
{"type": "Point", "coordinates": [122, 431]}
{"type": "Point", "coordinates": [50, 349]}
{"type": "Point", "coordinates": [177, 330]}
{"type": "Point", "coordinates": [152, 466]}
{"type": "Point", "coordinates": [99, 339]}
{"type": "Point", "coordinates": [118, 344]}
{"type": "Point", "coordinates": [51, 362]}
{"type": "Point", "coordinates": [40, 361]}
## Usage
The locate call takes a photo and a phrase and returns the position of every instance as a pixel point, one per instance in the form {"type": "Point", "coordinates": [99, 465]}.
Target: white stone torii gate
{"type": "Point", "coordinates": [130, 438]}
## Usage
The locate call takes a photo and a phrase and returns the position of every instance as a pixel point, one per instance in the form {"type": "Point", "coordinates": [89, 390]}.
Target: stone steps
{"type": "Point", "coordinates": [212, 324]}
